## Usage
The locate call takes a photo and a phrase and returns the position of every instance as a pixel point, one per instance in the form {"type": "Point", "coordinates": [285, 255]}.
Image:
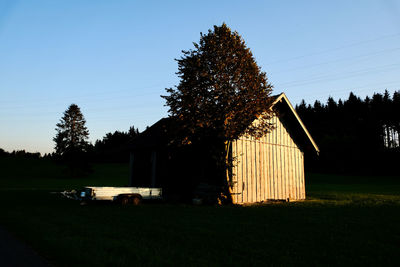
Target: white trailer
{"type": "Point", "coordinates": [124, 195]}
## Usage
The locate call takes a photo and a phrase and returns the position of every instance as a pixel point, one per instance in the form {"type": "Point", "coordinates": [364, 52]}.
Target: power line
{"type": "Point", "coordinates": [338, 60]}
{"type": "Point", "coordinates": [61, 101]}
{"type": "Point", "coordinates": [323, 78]}
{"type": "Point", "coordinates": [91, 95]}
{"type": "Point", "coordinates": [335, 49]}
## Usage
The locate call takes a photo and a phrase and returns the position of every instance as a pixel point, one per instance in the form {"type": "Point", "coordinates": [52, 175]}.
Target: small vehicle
{"type": "Point", "coordinates": [124, 195]}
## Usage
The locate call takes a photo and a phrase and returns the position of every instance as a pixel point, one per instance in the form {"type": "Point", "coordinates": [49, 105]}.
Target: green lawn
{"type": "Point", "coordinates": [345, 220]}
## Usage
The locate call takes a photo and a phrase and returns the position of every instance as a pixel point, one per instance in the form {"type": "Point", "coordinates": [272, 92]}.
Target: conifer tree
{"type": "Point", "coordinates": [396, 114]}
{"type": "Point", "coordinates": [72, 134]}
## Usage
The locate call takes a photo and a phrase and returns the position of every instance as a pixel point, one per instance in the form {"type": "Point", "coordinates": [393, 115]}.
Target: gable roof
{"type": "Point", "coordinates": [282, 98]}
{"type": "Point", "coordinates": [163, 131]}
{"type": "Point", "coordinates": [159, 134]}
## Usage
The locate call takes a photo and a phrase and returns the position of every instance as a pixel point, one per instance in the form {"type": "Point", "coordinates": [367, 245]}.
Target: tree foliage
{"type": "Point", "coordinates": [72, 134]}
{"type": "Point", "coordinates": [221, 90]}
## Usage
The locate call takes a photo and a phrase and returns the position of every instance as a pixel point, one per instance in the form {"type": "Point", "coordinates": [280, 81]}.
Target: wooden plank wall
{"type": "Point", "coordinates": [270, 168]}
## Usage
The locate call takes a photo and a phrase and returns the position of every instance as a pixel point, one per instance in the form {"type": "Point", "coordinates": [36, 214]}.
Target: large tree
{"type": "Point", "coordinates": [72, 134]}
{"type": "Point", "coordinates": [222, 90]}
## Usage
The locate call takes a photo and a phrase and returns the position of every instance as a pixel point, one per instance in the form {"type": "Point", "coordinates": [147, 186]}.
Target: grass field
{"type": "Point", "coordinates": [345, 220]}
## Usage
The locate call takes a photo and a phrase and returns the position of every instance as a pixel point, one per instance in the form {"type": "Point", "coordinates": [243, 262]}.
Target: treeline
{"type": "Point", "coordinates": [20, 154]}
{"type": "Point", "coordinates": [355, 135]}
{"type": "Point", "coordinates": [113, 147]}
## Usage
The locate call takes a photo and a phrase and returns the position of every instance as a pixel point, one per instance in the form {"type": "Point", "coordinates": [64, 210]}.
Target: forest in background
{"type": "Point", "coordinates": [112, 148]}
{"type": "Point", "coordinates": [355, 135]}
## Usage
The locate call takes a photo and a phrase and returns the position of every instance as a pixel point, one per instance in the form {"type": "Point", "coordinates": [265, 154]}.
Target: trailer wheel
{"type": "Point", "coordinates": [125, 200]}
{"type": "Point", "coordinates": [135, 200]}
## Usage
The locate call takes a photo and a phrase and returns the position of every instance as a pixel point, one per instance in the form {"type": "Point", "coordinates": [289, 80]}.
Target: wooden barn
{"type": "Point", "coordinates": [272, 167]}
{"type": "Point", "coordinates": [268, 168]}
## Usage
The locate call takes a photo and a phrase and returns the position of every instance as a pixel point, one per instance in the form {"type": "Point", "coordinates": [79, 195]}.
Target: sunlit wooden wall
{"type": "Point", "coordinates": [270, 168]}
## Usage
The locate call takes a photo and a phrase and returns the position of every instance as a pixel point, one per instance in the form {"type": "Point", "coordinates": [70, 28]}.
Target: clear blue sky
{"type": "Point", "coordinates": [115, 58]}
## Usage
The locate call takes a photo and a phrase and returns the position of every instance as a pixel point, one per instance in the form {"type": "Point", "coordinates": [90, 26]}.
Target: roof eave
{"type": "Point", "coordinates": [284, 97]}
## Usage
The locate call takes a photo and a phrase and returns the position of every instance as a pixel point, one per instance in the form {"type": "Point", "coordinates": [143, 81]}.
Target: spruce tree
{"type": "Point", "coordinates": [72, 135]}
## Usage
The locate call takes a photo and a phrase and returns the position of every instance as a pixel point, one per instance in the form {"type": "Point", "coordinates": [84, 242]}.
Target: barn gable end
{"type": "Point", "coordinates": [272, 167]}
